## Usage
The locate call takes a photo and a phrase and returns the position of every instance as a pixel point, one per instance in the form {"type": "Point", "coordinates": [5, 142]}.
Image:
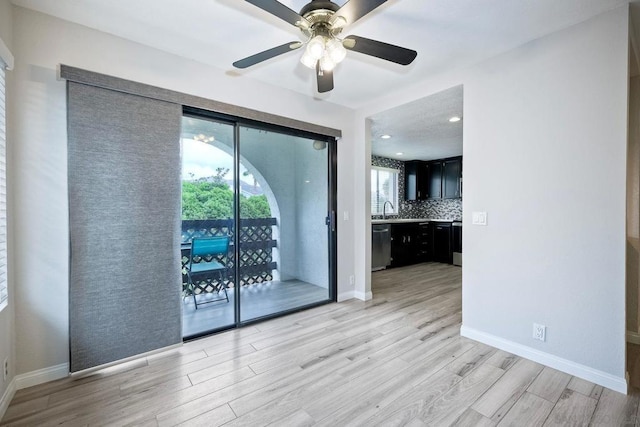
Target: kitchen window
{"type": "Point", "coordinates": [384, 188]}
{"type": "Point", "coordinates": [6, 62]}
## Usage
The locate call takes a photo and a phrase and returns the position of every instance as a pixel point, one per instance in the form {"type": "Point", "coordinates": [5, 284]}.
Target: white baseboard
{"type": "Point", "coordinates": [6, 397]}
{"type": "Point", "coordinates": [604, 379]}
{"type": "Point", "coordinates": [344, 296]}
{"type": "Point", "coordinates": [363, 296]}
{"type": "Point", "coordinates": [42, 376]}
{"type": "Point", "coordinates": [633, 337]}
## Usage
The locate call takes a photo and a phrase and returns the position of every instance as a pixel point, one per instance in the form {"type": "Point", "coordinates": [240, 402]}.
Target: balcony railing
{"type": "Point", "coordinates": [256, 250]}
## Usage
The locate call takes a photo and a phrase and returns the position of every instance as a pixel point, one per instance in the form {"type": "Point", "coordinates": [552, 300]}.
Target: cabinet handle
{"type": "Point", "coordinates": [409, 239]}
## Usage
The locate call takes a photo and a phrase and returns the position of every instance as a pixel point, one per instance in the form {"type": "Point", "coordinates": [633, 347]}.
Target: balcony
{"type": "Point", "coordinates": [261, 289]}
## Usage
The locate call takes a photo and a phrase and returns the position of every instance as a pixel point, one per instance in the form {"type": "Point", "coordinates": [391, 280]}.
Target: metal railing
{"type": "Point", "coordinates": [256, 251]}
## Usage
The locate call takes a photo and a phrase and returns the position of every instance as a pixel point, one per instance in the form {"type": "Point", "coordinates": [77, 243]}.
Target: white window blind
{"type": "Point", "coordinates": [3, 192]}
{"type": "Point", "coordinates": [384, 188]}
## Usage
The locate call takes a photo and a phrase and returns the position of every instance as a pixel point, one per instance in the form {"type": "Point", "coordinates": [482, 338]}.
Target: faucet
{"type": "Point", "coordinates": [384, 209]}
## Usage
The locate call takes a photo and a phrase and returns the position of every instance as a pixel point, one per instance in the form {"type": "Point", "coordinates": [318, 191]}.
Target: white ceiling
{"type": "Point", "coordinates": [420, 129]}
{"type": "Point", "coordinates": [447, 34]}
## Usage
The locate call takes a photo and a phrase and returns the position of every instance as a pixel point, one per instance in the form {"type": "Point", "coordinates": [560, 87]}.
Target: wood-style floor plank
{"type": "Point", "coordinates": [507, 390]}
{"type": "Point", "coordinates": [529, 407]}
{"type": "Point", "coordinates": [397, 359]}
{"type": "Point", "coordinates": [573, 409]}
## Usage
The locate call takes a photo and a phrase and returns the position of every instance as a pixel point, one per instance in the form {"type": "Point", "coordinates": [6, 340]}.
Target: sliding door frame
{"type": "Point", "coordinates": [331, 220]}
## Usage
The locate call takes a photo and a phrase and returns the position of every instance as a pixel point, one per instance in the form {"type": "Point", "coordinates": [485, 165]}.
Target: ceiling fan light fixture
{"type": "Point", "coordinates": [336, 50]}
{"type": "Point", "coordinates": [308, 60]}
{"type": "Point", "coordinates": [326, 63]}
{"type": "Point", "coordinates": [316, 47]}
{"type": "Point", "coordinates": [338, 21]}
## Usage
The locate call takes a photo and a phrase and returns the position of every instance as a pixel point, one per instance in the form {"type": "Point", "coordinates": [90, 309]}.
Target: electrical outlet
{"type": "Point", "coordinates": [5, 369]}
{"type": "Point", "coordinates": [352, 280]}
{"type": "Point", "coordinates": [539, 332]}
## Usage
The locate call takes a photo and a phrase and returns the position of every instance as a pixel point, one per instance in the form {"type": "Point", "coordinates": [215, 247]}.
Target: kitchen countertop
{"type": "Point", "coordinates": [409, 220]}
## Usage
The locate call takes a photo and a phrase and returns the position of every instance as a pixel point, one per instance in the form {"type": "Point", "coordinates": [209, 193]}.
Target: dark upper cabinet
{"type": "Point", "coordinates": [452, 178]}
{"type": "Point", "coordinates": [416, 175]}
{"type": "Point", "coordinates": [435, 180]}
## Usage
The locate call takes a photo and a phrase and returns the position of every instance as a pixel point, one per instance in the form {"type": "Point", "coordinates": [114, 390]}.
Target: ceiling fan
{"type": "Point", "coordinates": [322, 21]}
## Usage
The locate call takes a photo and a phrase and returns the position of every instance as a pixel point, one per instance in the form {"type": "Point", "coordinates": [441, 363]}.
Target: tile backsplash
{"type": "Point", "coordinates": [436, 208]}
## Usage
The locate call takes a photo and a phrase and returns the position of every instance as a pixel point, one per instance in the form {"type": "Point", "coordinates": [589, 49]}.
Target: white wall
{"type": "Point", "coordinates": [7, 336]}
{"type": "Point", "coordinates": [545, 155]}
{"type": "Point", "coordinates": [633, 211]}
{"type": "Point", "coordinates": [40, 174]}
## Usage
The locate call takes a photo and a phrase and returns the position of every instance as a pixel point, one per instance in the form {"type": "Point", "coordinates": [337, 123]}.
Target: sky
{"type": "Point", "coordinates": [202, 160]}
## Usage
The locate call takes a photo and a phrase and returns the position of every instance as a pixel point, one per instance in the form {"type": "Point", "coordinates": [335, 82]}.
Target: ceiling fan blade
{"type": "Point", "coordinates": [267, 54]}
{"type": "Point", "coordinates": [276, 8]}
{"type": "Point", "coordinates": [356, 9]}
{"type": "Point", "coordinates": [325, 79]}
{"type": "Point", "coordinates": [386, 51]}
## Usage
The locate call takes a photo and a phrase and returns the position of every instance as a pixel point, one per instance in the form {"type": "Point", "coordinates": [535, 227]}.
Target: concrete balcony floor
{"type": "Point", "coordinates": [256, 301]}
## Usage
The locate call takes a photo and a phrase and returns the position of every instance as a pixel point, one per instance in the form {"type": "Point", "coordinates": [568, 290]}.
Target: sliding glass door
{"type": "Point", "coordinates": [270, 192]}
{"type": "Point", "coordinates": [284, 239]}
{"type": "Point", "coordinates": [208, 211]}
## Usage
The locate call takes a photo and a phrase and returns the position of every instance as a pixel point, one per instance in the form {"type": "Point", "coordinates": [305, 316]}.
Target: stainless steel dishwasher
{"type": "Point", "coordinates": [380, 246]}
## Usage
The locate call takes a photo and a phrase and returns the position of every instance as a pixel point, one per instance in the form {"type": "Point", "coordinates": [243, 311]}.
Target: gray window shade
{"type": "Point", "coordinates": [124, 220]}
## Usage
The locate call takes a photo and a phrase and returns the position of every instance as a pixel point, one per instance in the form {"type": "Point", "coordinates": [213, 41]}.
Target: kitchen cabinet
{"type": "Point", "coordinates": [416, 175]}
{"type": "Point", "coordinates": [416, 242]}
{"type": "Point", "coordinates": [424, 242]}
{"type": "Point", "coordinates": [441, 242]}
{"type": "Point", "coordinates": [405, 244]}
{"type": "Point", "coordinates": [452, 178]}
{"type": "Point", "coordinates": [435, 180]}
{"type": "Point", "coordinates": [445, 178]}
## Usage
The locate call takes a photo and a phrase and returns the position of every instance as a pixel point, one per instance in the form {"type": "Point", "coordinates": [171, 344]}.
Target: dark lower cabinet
{"type": "Point", "coordinates": [441, 249]}
{"type": "Point", "coordinates": [404, 244]}
{"type": "Point", "coordinates": [424, 242]}
{"type": "Point", "coordinates": [412, 243]}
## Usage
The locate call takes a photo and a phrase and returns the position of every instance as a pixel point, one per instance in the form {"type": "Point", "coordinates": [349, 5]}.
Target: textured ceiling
{"type": "Point", "coordinates": [447, 34]}
{"type": "Point", "coordinates": [420, 129]}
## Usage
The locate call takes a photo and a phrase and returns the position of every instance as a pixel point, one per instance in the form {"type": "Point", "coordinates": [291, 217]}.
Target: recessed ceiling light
{"type": "Point", "coordinates": [399, 154]}
{"type": "Point", "coordinates": [455, 119]}
{"type": "Point", "coordinates": [385, 136]}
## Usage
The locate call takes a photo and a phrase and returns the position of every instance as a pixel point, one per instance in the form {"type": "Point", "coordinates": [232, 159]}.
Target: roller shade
{"type": "Point", "coordinates": [124, 221]}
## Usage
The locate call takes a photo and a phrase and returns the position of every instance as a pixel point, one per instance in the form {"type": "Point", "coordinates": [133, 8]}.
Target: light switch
{"type": "Point", "coordinates": [345, 215]}
{"type": "Point", "coordinates": [479, 218]}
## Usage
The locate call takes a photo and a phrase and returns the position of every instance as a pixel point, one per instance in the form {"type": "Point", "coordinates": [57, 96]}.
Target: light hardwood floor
{"type": "Point", "coordinates": [395, 360]}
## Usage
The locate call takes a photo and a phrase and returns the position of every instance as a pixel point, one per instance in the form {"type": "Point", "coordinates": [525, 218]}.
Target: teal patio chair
{"type": "Point", "coordinates": [210, 251]}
